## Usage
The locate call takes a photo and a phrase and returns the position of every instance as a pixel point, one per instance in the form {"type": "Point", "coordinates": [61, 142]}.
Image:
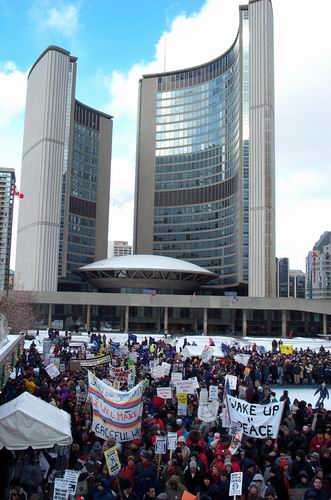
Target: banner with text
{"type": "Point", "coordinates": [116, 413]}
{"type": "Point", "coordinates": [258, 421]}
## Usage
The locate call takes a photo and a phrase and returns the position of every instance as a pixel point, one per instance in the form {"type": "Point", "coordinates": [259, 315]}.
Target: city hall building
{"type": "Point", "coordinates": [205, 169]}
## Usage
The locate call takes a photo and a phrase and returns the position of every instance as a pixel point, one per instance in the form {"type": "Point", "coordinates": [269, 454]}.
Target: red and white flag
{"type": "Point", "coordinates": [17, 193]}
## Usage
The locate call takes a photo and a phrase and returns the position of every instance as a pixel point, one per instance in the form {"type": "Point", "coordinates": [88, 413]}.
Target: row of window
{"type": "Point", "coordinates": [195, 209]}
{"type": "Point", "coordinates": [85, 250]}
{"type": "Point", "coordinates": [79, 259]}
{"type": "Point", "coordinates": [200, 181]}
{"type": "Point", "coordinates": [81, 230]}
{"type": "Point", "coordinates": [201, 74]}
{"type": "Point", "coordinates": [188, 228]}
{"type": "Point", "coordinates": [79, 237]}
{"type": "Point", "coordinates": [82, 157]}
{"type": "Point", "coordinates": [172, 174]}
{"type": "Point", "coordinates": [194, 245]}
{"type": "Point", "coordinates": [197, 98]}
{"type": "Point", "coordinates": [82, 221]}
{"type": "Point", "coordinates": [209, 111]}
{"type": "Point", "coordinates": [200, 236]}
{"type": "Point", "coordinates": [198, 218]}
{"type": "Point", "coordinates": [204, 87]}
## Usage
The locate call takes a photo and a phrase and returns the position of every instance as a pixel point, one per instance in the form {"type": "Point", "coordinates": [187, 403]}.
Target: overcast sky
{"type": "Point", "coordinates": [117, 42]}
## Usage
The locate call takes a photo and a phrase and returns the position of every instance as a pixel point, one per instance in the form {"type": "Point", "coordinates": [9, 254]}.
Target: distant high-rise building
{"type": "Point", "coordinates": [205, 180]}
{"type": "Point", "coordinates": [65, 178]}
{"type": "Point", "coordinates": [7, 183]}
{"type": "Point", "coordinates": [297, 284]}
{"type": "Point", "coordinates": [118, 249]}
{"type": "Point", "coordinates": [318, 269]}
{"type": "Point", "coordinates": [282, 277]}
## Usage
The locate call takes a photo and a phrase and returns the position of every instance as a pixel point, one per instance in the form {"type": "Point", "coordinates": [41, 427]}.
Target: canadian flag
{"type": "Point", "coordinates": [17, 193]}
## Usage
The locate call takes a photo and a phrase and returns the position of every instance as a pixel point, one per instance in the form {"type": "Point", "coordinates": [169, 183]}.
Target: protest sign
{"type": "Point", "coordinates": [153, 364]}
{"type": "Point", "coordinates": [131, 380]}
{"type": "Point", "coordinates": [213, 392]}
{"type": "Point", "coordinates": [112, 461]}
{"type": "Point", "coordinates": [62, 367]}
{"type": "Point", "coordinates": [232, 381]}
{"type": "Point", "coordinates": [116, 413]}
{"type": "Point", "coordinates": [166, 368]}
{"type": "Point", "coordinates": [119, 374]}
{"type": "Point", "coordinates": [133, 356]}
{"type": "Point", "coordinates": [44, 465]}
{"type": "Point", "coordinates": [164, 392]}
{"type": "Point", "coordinates": [195, 382]}
{"type": "Point", "coordinates": [161, 445]}
{"type": "Point", "coordinates": [258, 421]}
{"type": "Point", "coordinates": [242, 358]}
{"type": "Point", "coordinates": [236, 482]}
{"type": "Point", "coordinates": [172, 440]}
{"type": "Point", "coordinates": [72, 477]}
{"type": "Point", "coordinates": [55, 361]}
{"type": "Point", "coordinates": [203, 398]}
{"type": "Point", "coordinates": [286, 349]}
{"type": "Point", "coordinates": [60, 489]}
{"type": "Point", "coordinates": [207, 412]}
{"type": "Point", "coordinates": [157, 372]}
{"type": "Point", "coordinates": [52, 370]}
{"type": "Point", "coordinates": [186, 386]}
{"type": "Point", "coordinates": [182, 403]}
{"type": "Point", "coordinates": [236, 440]}
{"type": "Point", "coordinates": [176, 377]}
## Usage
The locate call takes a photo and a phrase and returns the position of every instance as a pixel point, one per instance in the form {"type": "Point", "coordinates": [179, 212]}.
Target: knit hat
{"type": "Point", "coordinates": [193, 464]}
{"type": "Point", "coordinates": [97, 446]}
{"type": "Point", "coordinates": [162, 496]}
{"type": "Point", "coordinates": [144, 453]}
{"type": "Point", "coordinates": [181, 439]}
{"type": "Point", "coordinates": [283, 462]}
{"type": "Point", "coordinates": [253, 485]}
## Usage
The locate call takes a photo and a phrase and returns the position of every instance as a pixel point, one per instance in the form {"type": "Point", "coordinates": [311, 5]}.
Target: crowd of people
{"type": "Point", "coordinates": [295, 465]}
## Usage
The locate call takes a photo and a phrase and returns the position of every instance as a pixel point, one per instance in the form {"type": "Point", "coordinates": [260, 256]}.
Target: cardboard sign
{"type": "Point", "coordinates": [243, 359]}
{"type": "Point", "coordinates": [44, 465]}
{"type": "Point", "coordinates": [161, 445]}
{"type": "Point", "coordinates": [60, 489]}
{"type": "Point", "coordinates": [203, 397]}
{"type": "Point", "coordinates": [213, 392]}
{"type": "Point", "coordinates": [186, 386]}
{"type": "Point", "coordinates": [232, 381]}
{"type": "Point", "coordinates": [157, 372]}
{"type": "Point", "coordinates": [172, 440]}
{"type": "Point", "coordinates": [236, 482]}
{"type": "Point", "coordinates": [164, 392]}
{"type": "Point", "coordinates": [176, 377]}
{"type": "Point", "coordinates": [112, 461]}
{"type": "Point", "coordinates": [52, 371]}
{"type": "Point", "coordinates": [72, 477]}
{"type": "Point", "coordinates": [166, 368]}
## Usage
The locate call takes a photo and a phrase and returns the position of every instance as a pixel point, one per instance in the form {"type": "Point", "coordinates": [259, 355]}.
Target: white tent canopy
{"type": "Point", "coordinates": [29, 421]}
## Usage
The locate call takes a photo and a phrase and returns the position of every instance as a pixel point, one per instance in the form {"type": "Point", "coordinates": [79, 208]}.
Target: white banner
{"type": "Point", "coordinates": [258, 421]}
{"type": "Point", "coordinates": [207, 412]}
{"type": "Point", "coordinates": [164, 392]}
{"type": "Point", "coordinates": [116, 413]}
{"type": "Point", "coordinates": [242, 358]}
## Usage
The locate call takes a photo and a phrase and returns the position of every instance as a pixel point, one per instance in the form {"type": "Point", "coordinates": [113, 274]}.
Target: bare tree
{"type": "Point", "coordinates": [20, 310]}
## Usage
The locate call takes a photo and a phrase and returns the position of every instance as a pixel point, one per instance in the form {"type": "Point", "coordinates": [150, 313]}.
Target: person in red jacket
{"type": "Point", "coordinates": [318, 443]}
{"type": "Point", "coordinates": [129, 471]}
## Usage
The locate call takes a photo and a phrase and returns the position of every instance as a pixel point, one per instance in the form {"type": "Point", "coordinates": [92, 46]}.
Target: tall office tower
{"type": "Point", "coordinates": [7, 183]}
{"type": "Point", "coordinates": [205, 182]}
{"type": "Point", "coordinates": [318, 269]}
{"type": "Point", "coordinates": [118, 249]}
{"type": "Point", "coordinates": [297, 284]}
{"type": "Point", "coordinates": [65, 178]}
{"type": "Point", "coordinates": [282, 277]}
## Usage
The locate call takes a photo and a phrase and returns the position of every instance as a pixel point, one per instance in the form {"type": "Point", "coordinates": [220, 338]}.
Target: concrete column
{"type": "Point", "coordinates": [284, 324]}
{"type": "Point", "coordinates": [165, 323]}
{"type": "Point", "coordinates": [88, 316]}
{"type": "Point", "coordinates": [244, 327]}
{"type": "Point", "coordinates": [126, 324]}
{"type": "Point", "coordinates": [158, 319]}
{"type": "Point", "coordinates": [205, 321]}
{"type": "Point", "coordinates": [325, 329]}
{"type": "Point", "coordinates": [195, 325]}
{"type": "Point", "coordinates": [50, 310]}
{"type": "Point", "coordinates": [305, 317]}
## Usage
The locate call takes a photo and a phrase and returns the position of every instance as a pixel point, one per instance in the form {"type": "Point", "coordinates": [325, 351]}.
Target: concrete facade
{"type": "Point", "coordinates": [57, 129]}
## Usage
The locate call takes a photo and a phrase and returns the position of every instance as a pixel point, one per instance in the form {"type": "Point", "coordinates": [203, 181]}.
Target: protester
{"type": "Point", "coordinates": [204, 454]}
